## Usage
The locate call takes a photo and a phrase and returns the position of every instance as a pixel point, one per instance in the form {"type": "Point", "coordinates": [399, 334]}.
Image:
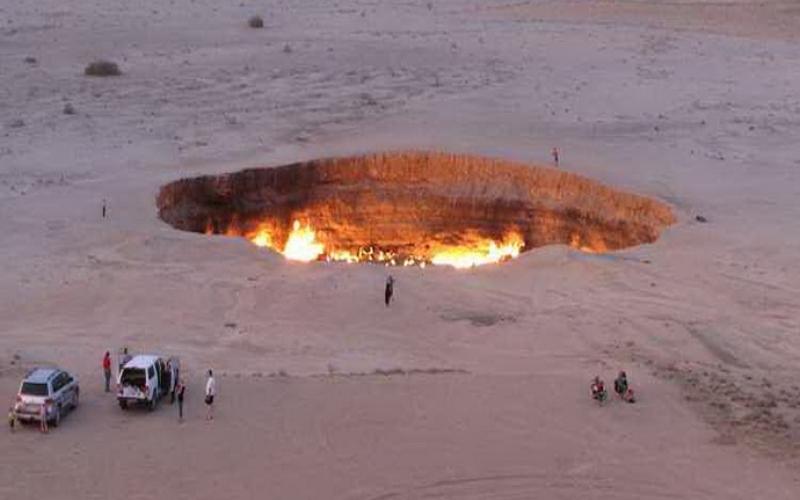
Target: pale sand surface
{"type": "Point", "coordinates": [697, 117]}
{"type": "Point", "coordinates": [445, 436]}
{"type": "Point", "coordinates": [778, 19]}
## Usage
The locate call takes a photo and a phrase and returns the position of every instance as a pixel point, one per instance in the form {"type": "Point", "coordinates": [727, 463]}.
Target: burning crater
{"type": "Point", "coordinates": [412, 208]}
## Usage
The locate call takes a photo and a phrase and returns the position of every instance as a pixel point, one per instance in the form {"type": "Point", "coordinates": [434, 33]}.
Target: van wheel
{"type": "Point", "coordinates": [123, 404]}
{"type": "Point", "coordinates": [57, 417]}
{"type": "Point", "coordinates": [153, 403]}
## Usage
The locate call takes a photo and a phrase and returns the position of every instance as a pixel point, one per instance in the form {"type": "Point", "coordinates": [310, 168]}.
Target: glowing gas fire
{"type": "Point", "coordinates": [302, 245]}
{"type": "Point", "coordinates": [262, 239]}
{"type": "Point", "coordinates": [486, 252]}
{"type": "Point", "coordinates": [582, 244]}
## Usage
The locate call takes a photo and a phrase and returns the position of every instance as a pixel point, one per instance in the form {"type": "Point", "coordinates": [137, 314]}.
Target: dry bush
{"type": "Point", "coordinates": [256, 22]}
{"type": "Point", "coordinates": [102, 68]}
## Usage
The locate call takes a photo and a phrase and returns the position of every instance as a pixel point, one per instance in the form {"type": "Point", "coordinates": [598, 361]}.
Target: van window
{"type": "Point", "coordinates": [133, 376]}
{"type": "Point", "coordinates": [32, 389]}
{"type": "Point", "coordinates": [151, 373]}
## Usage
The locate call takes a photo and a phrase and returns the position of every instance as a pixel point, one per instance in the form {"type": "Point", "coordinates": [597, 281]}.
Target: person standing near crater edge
{"type": "Point", "coordinates": [211, 391]}
{"type": "Point", "coordinates": [389, 290]}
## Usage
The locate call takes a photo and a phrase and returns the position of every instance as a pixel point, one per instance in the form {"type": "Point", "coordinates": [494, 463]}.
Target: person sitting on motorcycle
{"type": "Point", "coordinates": [621, 384]}
{"type": "Point", "coordinates": [622, 389]}
{"type": "Point", "coordinates": [598, 389]}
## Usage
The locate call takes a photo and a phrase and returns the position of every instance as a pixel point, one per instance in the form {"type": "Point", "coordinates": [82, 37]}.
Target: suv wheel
{"type": "Point", "coordinates": [76, 399]}
{"type": "Point", "coordinates": [123, 404]}
{"type": "Point", "coordinates": [153, 402]}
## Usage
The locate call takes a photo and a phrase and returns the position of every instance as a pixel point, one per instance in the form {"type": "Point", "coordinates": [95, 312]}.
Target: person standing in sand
{"type": "Point", "coordinates": [107, 370]}
{"type": "Point", "coordinates": [43, 419]}
{"type": "Point", "coordinates": [12, 419]}
{"type": "Point", "coordinates": [554, 152]}
{"type": "Point", "coordinates": [177, 380]}
{"type": "Point", "coordinates": [125, 358]}
{"type": "Point", "coordinates": [389, 290]}
{"type": "Point", "coordinates": [180, 390]}
{"type": "Point", "coordinates": [211, 391]}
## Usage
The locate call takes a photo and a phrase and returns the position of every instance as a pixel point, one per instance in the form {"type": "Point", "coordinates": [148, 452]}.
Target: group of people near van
{"type": "Point", "coordinates": [179, 394]}
{"type": "Point", "coordinates": [180, 387]}
{"type": "Point", "coordinates": [210, 393]}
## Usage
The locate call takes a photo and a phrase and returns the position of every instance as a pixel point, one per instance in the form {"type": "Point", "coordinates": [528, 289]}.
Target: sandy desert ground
{"type": "Point", "coordinates": [474, 383]}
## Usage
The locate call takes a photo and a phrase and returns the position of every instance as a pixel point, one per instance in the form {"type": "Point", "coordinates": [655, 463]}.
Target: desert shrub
{"type": "Point", "coordinates": [102, 68]}
{"type": "Point", "coordinates": [256, 22]}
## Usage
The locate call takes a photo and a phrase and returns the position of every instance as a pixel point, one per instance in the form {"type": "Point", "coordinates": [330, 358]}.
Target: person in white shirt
{"type": "Point", "coordinates": [211, 391]}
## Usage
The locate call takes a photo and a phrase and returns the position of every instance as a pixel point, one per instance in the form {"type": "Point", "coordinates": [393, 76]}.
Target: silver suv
{"type": "Point", "coordinates": [52, 388]}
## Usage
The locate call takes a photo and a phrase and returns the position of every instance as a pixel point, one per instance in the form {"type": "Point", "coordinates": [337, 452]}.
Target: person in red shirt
{"type": "Point", "coordinates": [107, 370]}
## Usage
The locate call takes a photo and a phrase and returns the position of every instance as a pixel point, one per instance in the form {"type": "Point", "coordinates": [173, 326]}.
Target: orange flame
{"type": "Point", "coordinates": [484, 252]}
{"type": "Point", "coordinates": [582, 244]}
{"type": "Point", "coordinates": [262, 239]}
{"type": "Point", "coordinates": [342, 256]}
{"type": "Point", "coordinates": [302, 245]}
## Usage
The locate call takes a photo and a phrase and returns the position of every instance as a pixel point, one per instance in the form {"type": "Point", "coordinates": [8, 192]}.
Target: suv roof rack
{"type": "Point", "coordinates": [51, 371]}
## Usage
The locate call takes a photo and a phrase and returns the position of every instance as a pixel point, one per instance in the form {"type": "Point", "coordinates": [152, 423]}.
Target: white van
{"type": "Point", "coordinates": [145, 379]}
